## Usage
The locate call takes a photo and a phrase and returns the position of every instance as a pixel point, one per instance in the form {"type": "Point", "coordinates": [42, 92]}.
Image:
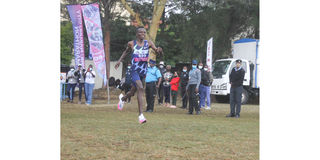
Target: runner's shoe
{"type": "Point", "coordinates": [142, 119]}
{"type": "Point", "coordinates": [121, 102]}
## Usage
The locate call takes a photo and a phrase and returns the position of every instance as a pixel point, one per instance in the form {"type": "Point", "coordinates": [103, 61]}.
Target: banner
{"type": "Point", "coordinates": [76, 19]}
{"type": "Point", "coordinates": [92, 21]}
{"type": "Point", "coordinates": [209, 54]}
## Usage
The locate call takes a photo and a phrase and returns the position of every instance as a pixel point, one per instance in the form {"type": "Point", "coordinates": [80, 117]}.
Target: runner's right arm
{"type": "Point", "coordinates": [124, 54]}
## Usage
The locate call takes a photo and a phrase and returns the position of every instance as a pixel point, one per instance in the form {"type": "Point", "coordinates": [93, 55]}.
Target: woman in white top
{"type": "Point", "coordinates": [89, 83]}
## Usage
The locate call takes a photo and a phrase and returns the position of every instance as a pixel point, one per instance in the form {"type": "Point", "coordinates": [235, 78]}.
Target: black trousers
{"type": "Point", "coordinates": [81, 85]}
{"type": "Point", "coordinates": [184, 96]}
{"type": "Point", "coordinates": [166, 91]}
{"type": "Point", "coordinates": [235, 100]}
{"type": "Point", "coordinates": [160, 94]}
{"type": "Point", "coordinates": [150, 94]}
{"type": "Point", "coordinates": [193, 102]}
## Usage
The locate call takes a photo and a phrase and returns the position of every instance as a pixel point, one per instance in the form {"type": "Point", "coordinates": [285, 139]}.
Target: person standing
{"type": "Point", "coordinates": [72, 82]}
{"type": "Point", "coordinates": [184, 77]}
{"type": "Point", "coordinates": [236, 78]}
{"type": "Point", "coordinates": [127, 82]}
{"type": "Point", "coordinates": [89, 84]}
{"type": "Point", "coordinates": [166, 85]}
{"type": "Point", "coordinates": [140, 54]}
{"type": "Point", "coordinates": [80, 74]}
{"type": "Point", "coordinates": [160, 89]}
{"type": "Point", "coordinates": [174, 89]}
{"type": "Point", "coordinates": [193, 87]}
{"type": "Point", "coordinates": [153, 80]}
{"type": "Point", "coordinates": [205, 87]}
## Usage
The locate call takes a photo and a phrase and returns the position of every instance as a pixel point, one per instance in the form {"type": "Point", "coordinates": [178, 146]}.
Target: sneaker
{"type": "Point", "coordinates": [142, 119]}
{"type": "Point", "coordinates": [172, 106]}
{"type": "Point", "coordinates": [207, 108]}
{"type": "Point", "coordinates": [121, 102]}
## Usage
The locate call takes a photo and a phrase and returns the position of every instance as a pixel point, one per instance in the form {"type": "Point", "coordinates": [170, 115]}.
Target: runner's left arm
{"type": "Point", "coordinates": [158, 50]}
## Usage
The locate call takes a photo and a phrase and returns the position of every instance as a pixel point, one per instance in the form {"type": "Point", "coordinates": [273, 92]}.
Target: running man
{"type": "Point", "coordinates": [140, 53]}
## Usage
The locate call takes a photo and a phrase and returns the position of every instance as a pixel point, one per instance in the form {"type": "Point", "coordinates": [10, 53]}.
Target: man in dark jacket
{"type": "Point", "coordinates": [184, 78]}
{"type": "Point", "coordinates": [205, 87]}
{"type": "Point", "coordinates": [236, 80]}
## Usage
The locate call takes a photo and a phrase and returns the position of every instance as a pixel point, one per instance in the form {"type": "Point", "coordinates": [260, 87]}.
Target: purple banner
{"type": "Point", "coordinates": [76, 19]}
{"type": "Point", "coordinates": [92, 21]}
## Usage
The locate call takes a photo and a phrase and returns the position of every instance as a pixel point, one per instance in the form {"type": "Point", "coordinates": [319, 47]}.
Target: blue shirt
{"type": "Point", "coordinates": [153, 74]}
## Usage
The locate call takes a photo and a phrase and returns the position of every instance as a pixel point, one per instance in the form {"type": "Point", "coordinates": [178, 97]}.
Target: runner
{"type": "Point", "coordinates": [140, 53]}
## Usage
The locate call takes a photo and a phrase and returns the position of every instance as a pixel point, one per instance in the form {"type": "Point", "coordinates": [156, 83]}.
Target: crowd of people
{"type": "Point", "coordinates": [159, 81]}
{"type": "Point", "coordinates": [81, 78]}
{"type": "Point", "coordinates": [163, 83]}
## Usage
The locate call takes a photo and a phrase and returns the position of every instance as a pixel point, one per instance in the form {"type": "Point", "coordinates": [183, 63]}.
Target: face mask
{"type": "Point", "coordinates": [90, 69]}
{"type": "Point", "coordinates": [184, 70]}
{"type": "Point", "coordinates": [205, 69]}
{"type": "Point", "coordinates": [200, 67]}
{"type": "Point", "coordinates": [72, 69]}
{"type": "Point", "coordinates": [161, 66]}
{"type": "Point", "coordinates": [129, 67]}
{"type": "Point", "coordinates": [194, 66]}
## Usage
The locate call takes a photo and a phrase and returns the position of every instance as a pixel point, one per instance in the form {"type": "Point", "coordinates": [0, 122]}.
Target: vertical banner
{"type": "Point", "coordinates": [209, 54]}
{"type": "Point", "coordinates": [91, 15]}
{"type": "Point", "coordinates": [76, 19]}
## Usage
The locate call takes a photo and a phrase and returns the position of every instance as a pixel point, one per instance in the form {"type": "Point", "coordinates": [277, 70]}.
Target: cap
{"type": "Point", "coordinates": [152, 61]}
{"type": "Point", "coordinates": [194, 61]}
{"type": "Point", "coordinates": [238, 61]}
{"type": "Point", "coordinates": [161, 63]}
{"type": "Point", "coordinates": [79, 65]}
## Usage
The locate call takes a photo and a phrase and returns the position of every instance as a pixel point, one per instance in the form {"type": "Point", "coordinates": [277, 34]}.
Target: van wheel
{"type": "Point", "coordinates": [245, 97]}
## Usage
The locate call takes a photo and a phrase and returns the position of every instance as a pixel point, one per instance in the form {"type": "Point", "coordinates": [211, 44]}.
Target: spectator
{"type": "Point", "coordinates": [236, 78]}
{"type": "Point", "coordinates": [160, 89]}
{"type": "Point", "coordinates": [193, 87]}
{"type": "Point", "coordinates": [80, 74]}
{"type": "Point", "coordinates": [205, 87]}
{"type": "Point", "coordinates": [166, 85]}
{"type": "Point", "coordinates": [127, 82]}
{"type": "Point", "coordinates": [89, 84]}
{"type": "Point", "coordinates": [153, 80]}
{"type": "Point", "coordinates": [174, 89]}
{"type": "Point", "coordinates": [205, 84]}
{"type": "Point", "coordinates": [184, 81]}
{"type": "Point", "coordinates": [72, 82]}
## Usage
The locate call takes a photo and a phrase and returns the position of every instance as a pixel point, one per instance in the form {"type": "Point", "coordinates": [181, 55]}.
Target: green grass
{"type": "Point", "coordinates": [102, 132]}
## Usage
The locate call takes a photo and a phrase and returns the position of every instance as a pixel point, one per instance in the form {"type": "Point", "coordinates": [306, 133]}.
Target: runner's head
{"type": "Point", "coordinates": [141, 33]}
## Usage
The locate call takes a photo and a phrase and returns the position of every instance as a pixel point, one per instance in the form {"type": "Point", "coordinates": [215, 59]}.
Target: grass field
{"type": "Point", "coordinates": [101, 131]}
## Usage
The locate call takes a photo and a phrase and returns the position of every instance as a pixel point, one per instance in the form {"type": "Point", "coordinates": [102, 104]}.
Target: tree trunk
{"type": "Point", "coordinates": [158, 8]}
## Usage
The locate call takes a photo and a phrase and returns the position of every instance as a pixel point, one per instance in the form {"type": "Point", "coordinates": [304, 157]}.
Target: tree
{"type": "Point", "coordinates": [158, 7]}
{"type": "Point", "coordinates": [66, 43]}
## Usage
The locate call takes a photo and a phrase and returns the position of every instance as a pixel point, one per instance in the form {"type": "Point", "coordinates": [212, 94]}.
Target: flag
{"type": "Point", "coordinates": [91, 16]}
{"type": "Point", "coordinates": [76, 19]}
{"type": "Point", "coordinates": [209, 54]}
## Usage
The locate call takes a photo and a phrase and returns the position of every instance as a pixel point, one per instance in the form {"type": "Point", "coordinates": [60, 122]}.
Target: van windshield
{"type": "Point", "coordinates": [220, 68]}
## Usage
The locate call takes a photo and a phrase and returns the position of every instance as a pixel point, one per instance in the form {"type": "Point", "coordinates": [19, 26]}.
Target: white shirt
{"type": "Point", "coordinates": [90, 78]}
